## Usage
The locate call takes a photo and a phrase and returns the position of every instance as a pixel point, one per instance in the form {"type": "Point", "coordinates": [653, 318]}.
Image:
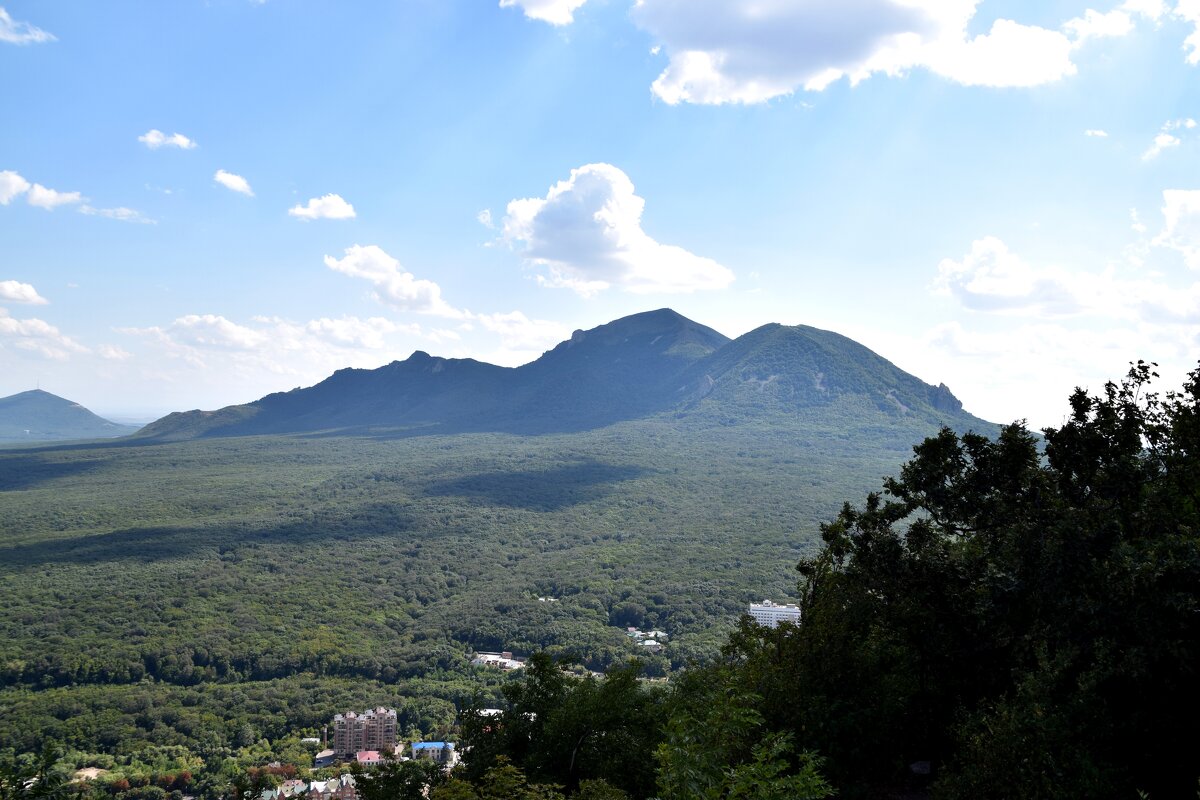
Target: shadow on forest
{"type": "Point", "coordinates": [160, 543]}
{"type": "Point", "coordinates": [26, 471]}
{"type": "Point", "coordinates": [539, 490]}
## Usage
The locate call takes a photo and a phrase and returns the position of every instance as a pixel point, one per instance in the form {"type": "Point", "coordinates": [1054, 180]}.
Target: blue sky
{"type": "Point", "coordinates": [203, 202]}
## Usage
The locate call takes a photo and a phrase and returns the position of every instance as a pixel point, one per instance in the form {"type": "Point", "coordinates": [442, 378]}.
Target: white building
{"type": "Point", "coordinates": [770, 614]}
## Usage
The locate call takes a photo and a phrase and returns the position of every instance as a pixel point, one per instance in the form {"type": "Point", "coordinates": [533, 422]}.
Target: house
{"type": "Point", "coordinates": [652, 646]}
{"type": "Point", "coordinates": [368, 758]}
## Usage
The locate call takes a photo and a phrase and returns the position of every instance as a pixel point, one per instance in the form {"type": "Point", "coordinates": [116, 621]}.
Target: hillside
{"type": "Point", "coordinates": [38, 416]}
{"type": "Point", "coordinates": [656, 362]}
{"type": "Point", "coordinates": [380, 526]}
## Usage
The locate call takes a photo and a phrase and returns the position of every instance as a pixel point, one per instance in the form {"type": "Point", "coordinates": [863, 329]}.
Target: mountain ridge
{"type": "Point", "coordinates": [651, 363]}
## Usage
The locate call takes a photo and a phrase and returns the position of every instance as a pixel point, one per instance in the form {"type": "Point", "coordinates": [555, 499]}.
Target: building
{"type": "Point", "coordinates": [439, 752]}
{"type": "Point", "coordinates": [769, 614]}
{"type": "Point", "coordinates": [368, 758]}
{"type": "Point", "coordinates": [504, 661]}
{"type": "Point", "coordinates": [370, 730]}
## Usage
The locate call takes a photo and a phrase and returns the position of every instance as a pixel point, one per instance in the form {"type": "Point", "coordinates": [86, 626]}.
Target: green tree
{"type": "Point", "coordinates": [31, 777]}
{"type": "Point", "coordinates": [1027, 621]}
{"type": "Point", "coordinates": [396, 780]}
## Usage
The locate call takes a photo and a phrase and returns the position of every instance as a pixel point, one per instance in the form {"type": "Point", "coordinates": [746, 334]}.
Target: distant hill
{"type": "Point", "coordinates": [656, 362]}
{"type": "Point", "coordinates": [37, 416]}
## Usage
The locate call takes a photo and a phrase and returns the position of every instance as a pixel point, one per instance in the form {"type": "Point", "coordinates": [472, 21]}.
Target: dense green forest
{"type": "Point", "coordinates": [144, 583]}
{"type": "Point", "coordinates": [1013, 616]}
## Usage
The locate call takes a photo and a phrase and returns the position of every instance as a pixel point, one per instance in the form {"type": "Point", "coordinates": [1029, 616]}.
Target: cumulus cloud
{"type": "Point", "coordinates": [556, 12]}
{"type": "Point", "coordinates": [521, 333]}
{"type": "Point", "coordinates": [330, 206]}
{"type": "Point", "coordinates": [991, 278]}
{"type": "Point", "coordinates": [587, 232]}
{"type": "Point", "coordinates": [723, 52]}
{"type": "Point", "coordinates": [17, 292]}
{"type": "Point", "coordinates": [154, 139]}
{"type": "Point", "coordinates": [1181, 224]}
{"type": "Point", "coordinates": [38, 337]}
{"type": "Point", "coordinates": [235, 183]}
{"type": "Point", "coordinates": [354, 332]}
{"type": "Point", "coordinates": [15, 32]}
{"type": "Point", "coordinates": [1095, 25]}
{"type": "Point", "coordinates": [212, 330]}
{"type": "Point", "coordinates": [393, 285]}
{"type": "Point", "coordinates": [50, 199]}
{"type": "Point", "coordinates": [120, 214]}
{"type": "Point", "coordinates": [11, 185]}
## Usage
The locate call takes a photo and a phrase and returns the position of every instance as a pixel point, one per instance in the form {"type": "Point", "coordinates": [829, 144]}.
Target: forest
{"type": "Point", "coordinates": [1007, 616]}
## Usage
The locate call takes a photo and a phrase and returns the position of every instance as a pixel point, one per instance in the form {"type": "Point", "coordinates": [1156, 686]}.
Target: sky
{"type": "Point", "coordinates": [202, 202]}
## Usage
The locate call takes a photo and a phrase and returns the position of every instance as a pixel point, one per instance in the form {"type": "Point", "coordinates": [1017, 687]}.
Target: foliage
{"type": "Point", "coordinates": [566, 730]}
{"type": "Point", "coordinates": [1027, 624]}
{"type": "Point", "coordinates": [31, 777]}
{"type": "Point", "coordinates": [396, 780]}
{"type": "Point", "coordinates": [503, 781]}
{"type": "Point", "coordinates": [716, 748]}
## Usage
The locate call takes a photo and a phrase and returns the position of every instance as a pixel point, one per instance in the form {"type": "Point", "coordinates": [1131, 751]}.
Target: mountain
{"type": "Point", "coordinates": [37, 416]}
{"type": "Point", "coordinates": [656, 362]}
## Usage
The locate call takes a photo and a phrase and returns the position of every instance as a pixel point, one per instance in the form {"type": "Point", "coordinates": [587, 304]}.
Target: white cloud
{"type": "Point", "coordinates": [1189, 11]}
{"type": "Point", "coordinates": [354, 332]}
{"type": "Point", "coordinates": [519, 332]}
{"type": "Point", "coordinates": [120, 213]}
{"type": "Point", "coordinates": [1181, 228]}
{"type": "Point", "coordinates": [1095, 25]}
{"type": "Point", "coordinates": [17, 292]}
{"type": "Point", "coordinates": [331, 206]}
{"type": "Point", "coordinates": [992, 278]}
{"type": "Point", "coordinates": [556, 12]}
{"type": "Point", "coordinates": [485, 219]}
{"type": "Point", "coordinates": [723, 52]}
{"type": "Point", "coordinates": [211, 330]}
{"type": "Point", "coordinates": [1166, 139]}
{"type": "Point", "coordinates": [11, 185]}
{"type": "Point", "coordinates": [49, 199]}
{"type": "Point", "coordinates": [15, 32]}
{"type": "Point", "coordinates": [1095, 132]}
{"type": "Point", "coordinates": [111, 352]}
{"type": "Point", "coordinates": [235, 183]}
{"type": "Point", "coordinates": [155, 139]}
{"type": "Point", "coordinates": [1162, 141]}
{"type": "Point", "coordinates": [587, 231]}
{"type": "Point", "coordinates": [393, 285]}
{"type": "Point", "coordinates": [37, 336]}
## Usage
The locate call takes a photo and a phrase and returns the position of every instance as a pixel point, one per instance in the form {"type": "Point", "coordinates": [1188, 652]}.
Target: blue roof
{"type": "Point", "coordinates": [432, 745]}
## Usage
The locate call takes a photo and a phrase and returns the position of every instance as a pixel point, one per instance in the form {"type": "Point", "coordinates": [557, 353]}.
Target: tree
{"type": "Point", "coordinates": [31, 778]}
{"type": "Point", "coordinates": [1026, 621]}
{"type": "Point", "coordinates": [394, 779]}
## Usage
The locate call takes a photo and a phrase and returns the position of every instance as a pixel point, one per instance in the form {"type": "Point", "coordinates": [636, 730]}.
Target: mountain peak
{"type": "Point", "coordinates": [37, 415]}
